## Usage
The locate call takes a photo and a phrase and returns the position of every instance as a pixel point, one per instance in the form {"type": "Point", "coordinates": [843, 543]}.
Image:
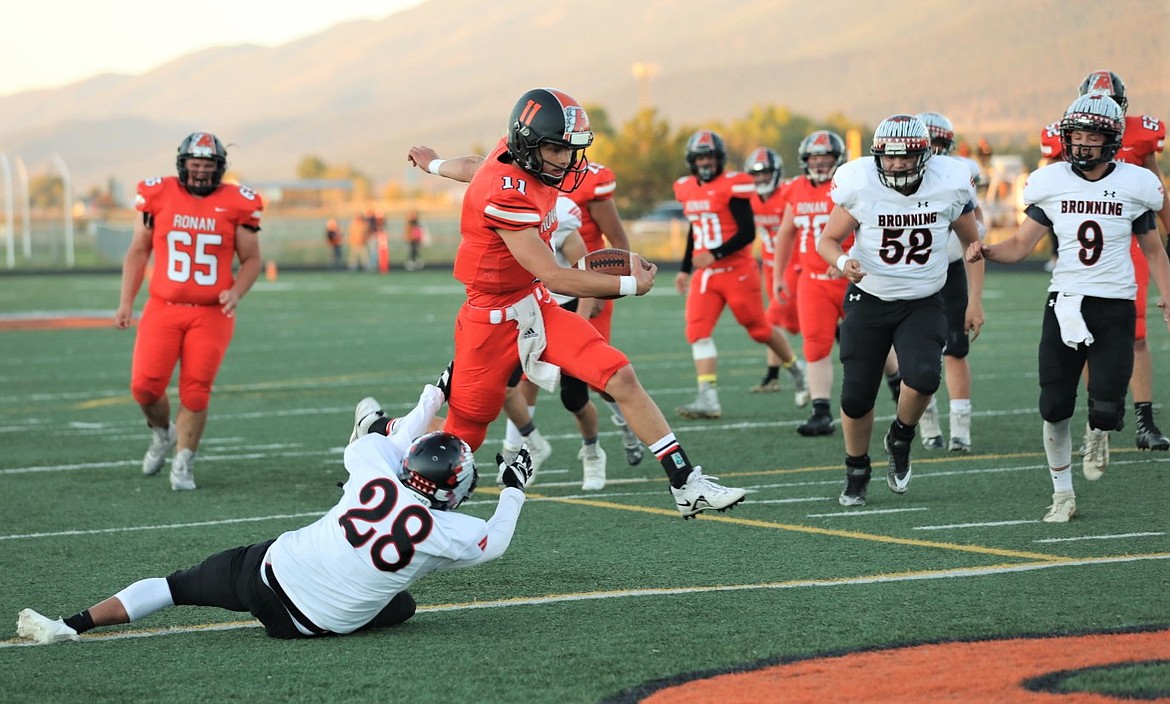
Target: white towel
{"type": "Point", "coordinates": [530, 343]}
{"type": "Point", "coordinates": [1073, 330]}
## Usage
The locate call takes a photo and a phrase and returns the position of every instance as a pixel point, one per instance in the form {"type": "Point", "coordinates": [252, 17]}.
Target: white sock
{"type": "Point", "coordinates": [1061, 479]}
{"type": "Point", "coordinates": [961, 418]}
{"type": "Point", "coordinates": [512, 434]}
{"type": "Point", "coordinates": [145, 596]}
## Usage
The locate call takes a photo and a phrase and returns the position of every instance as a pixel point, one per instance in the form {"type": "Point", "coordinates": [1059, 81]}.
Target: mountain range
{"type": "Point", "coordinates": [446, 73]}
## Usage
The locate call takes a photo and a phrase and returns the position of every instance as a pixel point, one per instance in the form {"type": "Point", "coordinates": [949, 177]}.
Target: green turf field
{"type": "Point", "coordinates": [600, 594]}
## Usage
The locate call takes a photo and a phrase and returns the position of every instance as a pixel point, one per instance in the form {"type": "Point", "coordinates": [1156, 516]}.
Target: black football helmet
{"type": "Point", "coordinates": [203, 145]}
{"type": "Point", "coordinates": [765, 161]}
{"type": "Point", "coordinates": [942, 132]}
{"type": "Point", "coordinates": [1106, 82]}
{"type": "Point", "coordinates": [901, 135]}
{"type": "Point", "coordinates": [548, 116]}
{"type": "Point", "coordinates": [440, 470]}
{"type": "Point", "coordinates": [702, 143]}
{"type": "Point", "coordinates": [1092, 112]}
{"type": "Point", "coordinates": [821, 142]}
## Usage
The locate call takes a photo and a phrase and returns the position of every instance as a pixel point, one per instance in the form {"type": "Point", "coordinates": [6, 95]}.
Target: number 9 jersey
{"type": "Point", "coordinates": [194, 238]}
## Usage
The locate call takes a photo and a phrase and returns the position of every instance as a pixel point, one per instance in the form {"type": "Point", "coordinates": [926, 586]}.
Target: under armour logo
{"type": "Point", "coordinates": [854, 297]}
{"type": "Point", "coordinates": [1110, 194]}
{"type": "Point", "coordinates": [923, 204]}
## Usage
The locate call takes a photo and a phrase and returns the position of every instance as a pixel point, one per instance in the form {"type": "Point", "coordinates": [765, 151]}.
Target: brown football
{"type": "Point", "coordinates": [612, 261]}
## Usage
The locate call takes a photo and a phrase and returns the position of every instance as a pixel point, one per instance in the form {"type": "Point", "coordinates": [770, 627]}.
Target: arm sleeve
{"type": "Point", "coordinates": [412, 425]}
{"type": "Point", "coordinates": [1033, 211]}
{"type": "Point", "coordinates": [500, 528]}
{"type": "Point", "coordinates": [685, 267]}
{"type": "Point", "coordinates": [1146, 222]}
{"type": "Point", "coordinates": [745, 228]}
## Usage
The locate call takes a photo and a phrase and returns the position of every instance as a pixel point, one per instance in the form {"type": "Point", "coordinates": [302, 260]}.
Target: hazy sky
{"type": "Point", "coordinates": [50, 43]}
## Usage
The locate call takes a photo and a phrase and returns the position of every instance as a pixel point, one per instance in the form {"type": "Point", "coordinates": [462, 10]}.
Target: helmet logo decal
{"type": "Point", "coordinates": [529, 112]}
{"type": "Point", "coordinates": [1101, 82]}
{"type": "Point", "coordinates": [202, 145]}
{"type": "Point", "coordinates": [577, 126]}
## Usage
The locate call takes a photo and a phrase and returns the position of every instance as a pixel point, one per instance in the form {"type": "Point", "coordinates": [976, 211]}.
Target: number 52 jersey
{"type": "Point", "coordinates": [194, 238]}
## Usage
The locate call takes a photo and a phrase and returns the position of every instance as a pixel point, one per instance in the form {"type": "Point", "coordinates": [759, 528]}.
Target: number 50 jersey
{"type": "Point", "coordinates": [902, 240]}
{"type": "Point", "coordinates": [194, 239]}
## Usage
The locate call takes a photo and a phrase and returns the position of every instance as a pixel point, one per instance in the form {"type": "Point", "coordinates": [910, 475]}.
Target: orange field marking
{"type": "Point", "coordinates": [979, 671]}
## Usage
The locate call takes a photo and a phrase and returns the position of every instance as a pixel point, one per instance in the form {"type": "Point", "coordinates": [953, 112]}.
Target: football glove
{"type": "Point", "coordinates": [444, 381]}
{"type": "Point", "coordinates": [516, 473]}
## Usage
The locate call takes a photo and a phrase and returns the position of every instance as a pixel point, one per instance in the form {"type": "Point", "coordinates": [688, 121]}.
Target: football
{"type": "Point", "coordinates": [612, 261]}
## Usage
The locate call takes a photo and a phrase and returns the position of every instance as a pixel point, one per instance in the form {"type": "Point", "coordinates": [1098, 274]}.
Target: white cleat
{"type": "Point", "coordinates": [593, 467]}
{"type": "Point", "coordinates": [1063, 508]}
{"type": "Point", "coordinates": [929, 427]}
{"type": "Point", "coordinates": [702, 493]}
{"type": "Point", "coordinates": [799, 372]}
{"type": "Point", "coordinates": [161, 443]}
{"type": "Point", "coordinates": [705, 406]}
{"type": "Point", "coordinates": [183, 471]}
{"type": "Point", "coordinates": [1096, 453]}
{"type": "Point", "coordinates": [43, 630]}
{"type": "Point", "coordinates": [365, 413]}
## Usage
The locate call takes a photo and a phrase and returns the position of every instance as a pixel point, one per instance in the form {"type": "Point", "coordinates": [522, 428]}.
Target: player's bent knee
{"type": "Point", "coordinates": [924, 381]}
{"type": "Point", "coordinates": [574, 394]}
{"type": "Point", "coordinates": [1106, 415]}
{"type": "Point", "coordinates": [761, 333]}
{"type": "Point", "coordinates": [855, 405]}
{"type": "Point", "coordinates": [147, 391]}
{"type": "Point", "coordinates": [958, 347]}
{"type": "Point", "coordinates": [704, 349]}
{"type": "Point", "coordinates": [195, 397]}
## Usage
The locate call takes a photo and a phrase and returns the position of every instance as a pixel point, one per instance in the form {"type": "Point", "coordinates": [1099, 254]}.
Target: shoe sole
{"type": "Point", "coordinates": [695, 415]}
{"type": "Point", "coordinates": [847, 500]}
{"type": "Point", "coordinates": [697, 511]}
{"type": "Point", "coordinates": [815, 433]}
{"type": "Point", "coordinates": [933, 443]}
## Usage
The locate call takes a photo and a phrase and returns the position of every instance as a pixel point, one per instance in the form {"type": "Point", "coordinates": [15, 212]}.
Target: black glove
{"type": "Point", "coordinates": [516, 473]}
{"type": "Point", "coordinates": [444, 380]}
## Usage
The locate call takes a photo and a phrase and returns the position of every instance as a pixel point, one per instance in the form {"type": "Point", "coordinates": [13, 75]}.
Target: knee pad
{"type": "Point", "coordinates": [761, 332]}
{"type": "Point", "coordinates": [147, 391]}
{"type": "Point", "coordinates": [854, 404]}
{"type": "Point", "coordinates": [195, 395]}
{"type": "Point", "coordinates": [958, 346]}
{"type": "Point", "coordinates": [703, 349]}
{"type": "Point", "coordinates": [923, 381]}
{"type": "Point", "coordinates": [1106, 415]}
{"type": "Point", "coordinates": [574, 394]}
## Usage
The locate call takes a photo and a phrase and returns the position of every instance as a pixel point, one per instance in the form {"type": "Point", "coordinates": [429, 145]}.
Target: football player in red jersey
{"type": "Point", "coordinates": [195, 225]}
{"type": "Point", "coordinates": [821, 300]}
{"type": "Point", "coordinates": [1144, 138]}
{"type": "Point", "coordinates": [508, 268]}
{"type": "Point", "coordinates": [719, 252]}
{"type": "Point", "coordinates": [767, 169]}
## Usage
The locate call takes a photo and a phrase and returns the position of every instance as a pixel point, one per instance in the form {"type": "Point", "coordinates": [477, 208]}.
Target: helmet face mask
{"type": "Point", "coordinates": [942, 132]}
{"type": "Point", "coordinates": [901, 136]}
{"type": "Point", "coordinates": [1109, 84]}
{"type": "Point", "coordinates": [706, 143]}
{"type": "Point", "coordinates": [819, 143]}
{"type": "Point", "coordinates": [440, 470]}
{"type": "Point", "coordinates": [201, 145]}
{"type": "Point", "coordinates": [767, 168]}
{"type": "Point", "coordinates": [1092, 112]}
{"type": "Point", "coordinates": [546, 117]}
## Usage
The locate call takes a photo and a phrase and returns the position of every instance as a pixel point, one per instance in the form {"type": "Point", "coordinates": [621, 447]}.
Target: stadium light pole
{"type": "Point", "coordinates": [9, 235]}
{"type": "Point", "coordinates": [67, 205]}
{"type": "Point", "coordinates": [25, 220]}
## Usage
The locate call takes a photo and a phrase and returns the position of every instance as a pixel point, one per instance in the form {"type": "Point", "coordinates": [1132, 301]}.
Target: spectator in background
{"type": "Point", "coordinates": [415, 235]}
{"type": "Point", "coordinates": [358, 234]}
{"type": "Point", "coordinates": [204, 225]}
{"type": "Point", "coordinates": [333, 238]}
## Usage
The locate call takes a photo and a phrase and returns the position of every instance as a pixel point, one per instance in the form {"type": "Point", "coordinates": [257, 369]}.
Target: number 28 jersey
{"type": "Point", "coordinates": [1094, 222]}
{"type": "Point", "coordinates": [901, 240]}
{"type": "Point", "coordinates": [194, 238]}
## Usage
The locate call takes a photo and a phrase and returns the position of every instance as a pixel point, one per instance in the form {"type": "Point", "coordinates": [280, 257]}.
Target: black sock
{"type": "Point", "coordinates": [901, 431]}
{"type": "Point", "coordinates": [772, 373]}
{"type": "Point", "coordinates": [381, 426]}
{"type": "Point", "coordinates": [1144, 410]}
{"type": "Point", "coordinates": [678, 467]}
{"type": "Point", "coordinates": [527, 428]}
{"type": "Point", "coordinates": [81, 622]}
{"type": "Point", "coordinates": [821, 407]}
{"type": "Point", "coordinates": [861, 462]}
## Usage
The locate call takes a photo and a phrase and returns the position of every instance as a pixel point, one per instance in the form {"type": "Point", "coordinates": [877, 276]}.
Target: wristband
{"type": "Point", "coordinates": [433, 167]}
{"type": "Point", "coordinates": [841, 260]}
{"type": "Point", "coordinates": [628, 286]}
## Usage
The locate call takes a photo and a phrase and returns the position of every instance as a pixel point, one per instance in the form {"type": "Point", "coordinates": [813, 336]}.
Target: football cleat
{"type": "Point", "coordinates": [766, 386]}
{"type": "Point", "coordinates": [856, 483]}
{"type": "Point", "coordinates": [539, 449]}
{"type": "Point", "coordinates": [365, 413]}
{"type": "Point", "coordinates": [1095, 453]}
{"type": "Point", "coordinates": [702, 493]}
{"type": "Point", "coordinates": [929, 427]}
{"type": "Point", "coordinates": [960, 445]}
{"type": "Point", "coordinates": [43, 630]}
{"type": "Point", "coordinates": [800, 395]}
{"type": "Point", "coordinates": [1149, 437]}
{"type": "Point", "coordinates": [1064, 507]}
{"type": "Point", "coordinates": [816, 425]}
{"type": "Point", "coordinates": [593, 467]}
{"type": "Point", "coordinates": [899, 473]}
{"type": "Point", "coordinates": [182, 471]}
{"type": "Point", "coordinates": [161, 443]}
{"type": "Point", "coordinates": [705, 406]}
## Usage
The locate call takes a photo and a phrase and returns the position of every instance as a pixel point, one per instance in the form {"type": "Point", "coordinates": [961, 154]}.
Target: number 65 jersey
{"type": "Point", "coordinates": [901, 240]}
{"type": "Point", "coordinates": [1094, 222]}
{"type": "Point", "coordinates": [194, 238]}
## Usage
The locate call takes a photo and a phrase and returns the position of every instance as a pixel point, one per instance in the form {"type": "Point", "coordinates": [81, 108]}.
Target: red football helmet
{"type": "Point", "coordinates": [821, 142]}
{"type": "Point", "coordinates": [1092, 112]}
{"type": "Point", "coordinates": [901, 135]}
{"type": "Point", "coordinates": [765, 161]}
{"type": "Point", "coordinates": [702, 143]}
{"type": "Point", "coordinates": [1106, 82]}
{"type": "Point", "coordinates": [548, 116]}
{"type": "Point", "coordinates": [201, 145]}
